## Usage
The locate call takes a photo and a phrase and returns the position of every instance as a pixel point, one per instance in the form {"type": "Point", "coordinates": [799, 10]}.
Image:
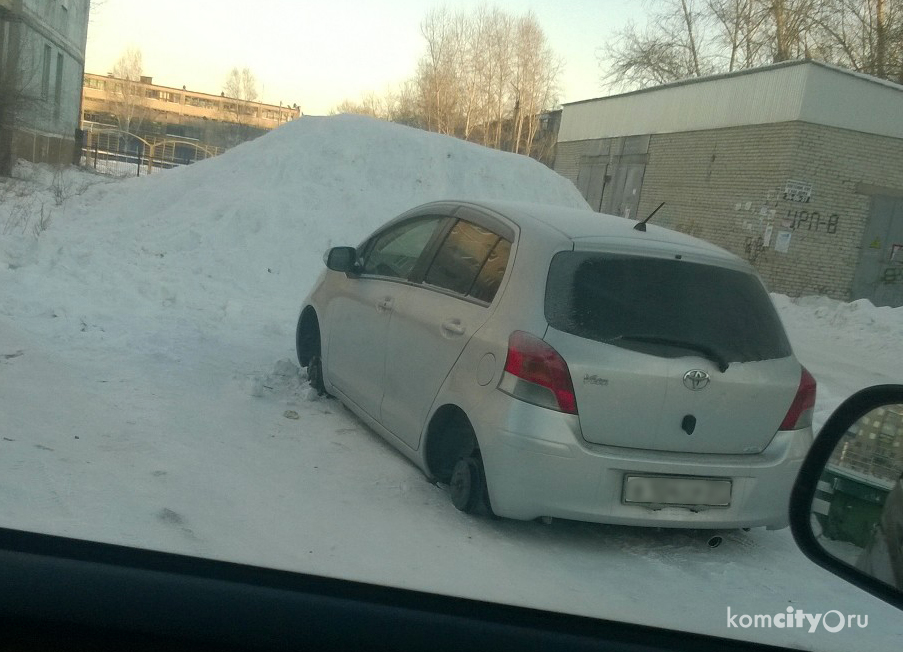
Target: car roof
{"type": "Point", "coordinates": [586, 226]}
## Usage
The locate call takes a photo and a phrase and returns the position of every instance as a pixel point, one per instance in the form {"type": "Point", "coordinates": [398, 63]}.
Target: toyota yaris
{"type": "Point", "coordinates": [550, 362]}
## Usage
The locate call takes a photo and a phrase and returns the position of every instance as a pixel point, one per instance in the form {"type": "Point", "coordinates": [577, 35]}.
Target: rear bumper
{"type": "Point", "coordinates": [537, 464]}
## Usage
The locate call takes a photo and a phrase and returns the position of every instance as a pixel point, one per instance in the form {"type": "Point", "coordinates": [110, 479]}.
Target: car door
{"type": "Point", "coordinates": [360, 315]}
{"type": "Point", "coordinates": [435, 319]}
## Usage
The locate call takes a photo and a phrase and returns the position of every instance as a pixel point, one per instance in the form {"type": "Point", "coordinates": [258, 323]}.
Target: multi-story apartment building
{"type": "Point", "coordinates": [42, 59]}
{"type": "Point", "coordinates": [157, 111]}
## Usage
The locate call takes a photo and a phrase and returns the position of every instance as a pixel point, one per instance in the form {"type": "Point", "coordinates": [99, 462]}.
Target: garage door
{"type": "Point", "coordinates": [879, 275]}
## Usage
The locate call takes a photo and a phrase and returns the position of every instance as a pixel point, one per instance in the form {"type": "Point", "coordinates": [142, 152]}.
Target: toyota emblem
{"type": "Point", "coordinates": [696, 379]}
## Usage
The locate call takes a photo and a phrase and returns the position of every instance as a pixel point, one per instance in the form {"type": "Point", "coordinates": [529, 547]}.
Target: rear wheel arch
{"type": "Point", "coordinates": [449, 437]}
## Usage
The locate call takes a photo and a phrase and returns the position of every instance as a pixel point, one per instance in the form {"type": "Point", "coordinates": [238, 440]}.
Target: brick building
{"type": "Point", "coordinates": [797, 167]}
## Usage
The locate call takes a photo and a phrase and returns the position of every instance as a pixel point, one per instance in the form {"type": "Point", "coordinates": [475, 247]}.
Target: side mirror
{"type": "Point", "coordinates": [846, 508]}
{"type": "Point", "coordinates": [341, 259]}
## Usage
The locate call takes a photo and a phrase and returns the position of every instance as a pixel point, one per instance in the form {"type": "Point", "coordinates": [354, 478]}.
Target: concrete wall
{"type": "Point", "coordinates": [43, 148]}
{"type": "Point", "coordinates": [728, 186]}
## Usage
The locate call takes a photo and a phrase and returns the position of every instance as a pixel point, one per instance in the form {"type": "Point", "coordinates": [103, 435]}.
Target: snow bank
{"type": "Point", "coordinates": [859, 322]}
{"type": "Point", "coordinates": [238, 240]}
{"type": "Point", "coordinates": [846, 346]}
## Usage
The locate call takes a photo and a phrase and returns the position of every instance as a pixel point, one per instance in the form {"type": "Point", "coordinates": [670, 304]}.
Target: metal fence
{"type": "Point", "coordinates": [124, 154]}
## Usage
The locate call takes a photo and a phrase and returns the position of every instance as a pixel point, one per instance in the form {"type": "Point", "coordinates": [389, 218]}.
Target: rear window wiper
{"type": "Point", "coordinates": [707, 351]}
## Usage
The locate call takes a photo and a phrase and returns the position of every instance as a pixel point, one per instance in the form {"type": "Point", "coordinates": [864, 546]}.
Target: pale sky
{"type": "Point", "coordinates": [317, 54]}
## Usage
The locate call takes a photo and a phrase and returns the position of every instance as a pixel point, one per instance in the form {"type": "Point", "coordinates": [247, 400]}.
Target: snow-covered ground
{"type": "Point", "coordinates": [149, 393]}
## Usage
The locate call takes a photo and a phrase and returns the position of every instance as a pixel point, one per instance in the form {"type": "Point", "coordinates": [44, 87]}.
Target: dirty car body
{"type": "Point", "coordinates": [551, 362]}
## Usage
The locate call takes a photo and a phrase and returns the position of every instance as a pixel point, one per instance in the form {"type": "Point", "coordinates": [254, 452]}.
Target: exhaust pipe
{"type": "Point", "coordinates": [715, 541]}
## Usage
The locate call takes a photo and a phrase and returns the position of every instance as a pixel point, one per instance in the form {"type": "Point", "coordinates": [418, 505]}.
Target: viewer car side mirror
{"type": "Point", "coordinates": [846, 508]}
{"type": "Point", "coordinates": [341, 259]}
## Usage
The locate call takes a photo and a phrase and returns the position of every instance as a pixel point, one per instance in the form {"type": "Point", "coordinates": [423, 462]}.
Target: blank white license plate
{"type": "Point", "coordinates": [669, 490]}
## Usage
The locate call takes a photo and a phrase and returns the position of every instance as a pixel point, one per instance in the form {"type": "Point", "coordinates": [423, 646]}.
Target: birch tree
{"type": "Point", "coordinates": [126, 93]}
{"type": "Point", "coordinates": [240, 91]}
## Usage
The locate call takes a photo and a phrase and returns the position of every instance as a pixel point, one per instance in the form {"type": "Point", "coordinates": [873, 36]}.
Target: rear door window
{"type": "Point", "coordinates": [490, 277]}
{"type": "Point", "coordinates": [470, 261]}
{"type": "Point", "coordinates": [664, 306]}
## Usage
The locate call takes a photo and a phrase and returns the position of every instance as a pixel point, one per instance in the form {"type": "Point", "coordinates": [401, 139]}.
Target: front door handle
{"type": "Point", "coordinates": [453, 327]}
{"type": "Point", "coordinates": [385, 305]}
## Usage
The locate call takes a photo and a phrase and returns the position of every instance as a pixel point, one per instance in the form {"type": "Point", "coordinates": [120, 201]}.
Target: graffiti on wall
{"type": "Point", "coordinates": [770, 224]}
{"type": "Point", "coordinates": [892, 275]}
{"type": "Point", "coordinates": [814, 221]}
{"type": "Point", "coordinates": [691, 227]}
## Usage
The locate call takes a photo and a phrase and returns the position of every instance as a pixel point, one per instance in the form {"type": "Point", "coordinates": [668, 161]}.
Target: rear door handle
{"type": "Point", "coordinates": [385, 305]}
{"type": "Point", "coordinates": [453, 327]}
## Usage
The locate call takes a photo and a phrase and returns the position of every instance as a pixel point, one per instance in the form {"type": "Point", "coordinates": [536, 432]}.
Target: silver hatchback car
{"type": "Point", "coordinates": [551, 362]}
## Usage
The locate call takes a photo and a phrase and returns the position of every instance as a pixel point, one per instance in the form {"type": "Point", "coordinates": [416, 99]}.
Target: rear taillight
{"type": "Point", "coordinates": [800, 413]}
{"type": "Point", "coordinates": [534, 372]}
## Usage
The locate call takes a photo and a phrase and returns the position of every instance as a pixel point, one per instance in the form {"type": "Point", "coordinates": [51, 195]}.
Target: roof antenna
{"type": "Point", "coordinates": [642, 225]}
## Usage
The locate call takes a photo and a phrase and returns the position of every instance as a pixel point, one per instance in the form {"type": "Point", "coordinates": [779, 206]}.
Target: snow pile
{"type": "Point", "coordinates": [846, 346]}
{"type": "Point", "coordinates": [237, 240]}
{"type": "Point", "coordinates": [858, 322]}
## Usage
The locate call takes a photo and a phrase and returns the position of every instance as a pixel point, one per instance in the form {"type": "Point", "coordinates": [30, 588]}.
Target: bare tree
{"type": "Point", "coordinates": [438, 70]}
{"type": "Point", "coordinates": [472, 61]}
{"type": "Point", "coordinates": [126, 93]}
{"type": "Point", "coordinates": [536, 70]}
{"type": "Point", "coordinates": [240, 91]}
{"type": "Point", "coordinates": [688, 38]}
{"type": "Point", "coordinates": [867, 35]}
{"type": "Point", "coordinates": [501, 29]}
{"type": "Point", "coordinates": [739, 34]}
{"type": "Point", "coordinates": [791, 23]}
{"type": "Point", "coordinates": [401, 105]}
{"type": "Point", "coordinates": [485, 76]}
{"type": "Point", "coordinates": [672, 46]}
{"type": "Point", "coordinates": [370, 105]}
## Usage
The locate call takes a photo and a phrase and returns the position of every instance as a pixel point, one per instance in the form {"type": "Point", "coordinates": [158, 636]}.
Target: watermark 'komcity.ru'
{"type": "Point", "coordinates": [831, 621]}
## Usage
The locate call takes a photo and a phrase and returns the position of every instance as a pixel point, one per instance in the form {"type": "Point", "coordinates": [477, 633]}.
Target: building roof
{"type": "Point", "coordinates": [148, 83]}
{"type": "Point", "coordinates": [807, 91]}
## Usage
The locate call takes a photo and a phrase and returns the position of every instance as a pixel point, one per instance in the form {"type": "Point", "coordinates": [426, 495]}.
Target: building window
{"type": "Point", "coordinates": [45, 75]}
{"type": "Point", "coordinates": [58, 90]}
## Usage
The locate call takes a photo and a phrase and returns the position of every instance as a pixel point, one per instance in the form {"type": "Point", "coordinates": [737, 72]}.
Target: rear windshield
{"type": "Point", "coordinates": [665, 307]}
